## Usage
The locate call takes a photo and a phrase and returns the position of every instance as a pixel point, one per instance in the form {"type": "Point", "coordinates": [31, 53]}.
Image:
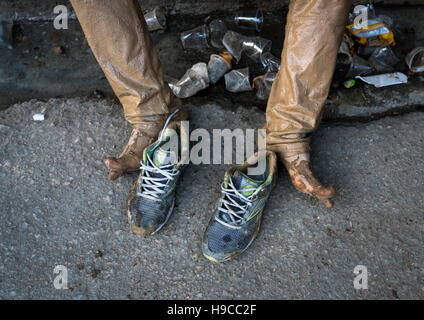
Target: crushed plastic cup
{"type": "Point", "coordinates": [218, 66]}
{"type": "Point", "coordinates": [270, 62]}
{"type": "Point", "coordinates": [383, 59]}
{"type": "Point", "coordinates": [415, 60]}
{"type": "Point", "coordinates": [250, 20]}
{"type": "Point", "coordinates": [255, 47]}
{"type": "Point", "coordinates": [156, 19]}
{"type": "Point", "coordinates": [217, 29]}
{"type": "Point", "coordinates": [386, 79]}
{"type": "Point", "coordinates": [263, 84]}
{"type": "Point", "coordinates": [196, 38]}
{"type": "Point", "coordinates": [238, 80]}
{"type": "Point", "coordinates": [194, 80]}
{"type": "Point", "coordinates": [359, 67]}
{"type": "Point", "coordinates": [233, 42]}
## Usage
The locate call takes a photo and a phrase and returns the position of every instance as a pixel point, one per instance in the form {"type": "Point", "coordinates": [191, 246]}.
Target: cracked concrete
{"type": "Point", "coordinates": [57, 208]}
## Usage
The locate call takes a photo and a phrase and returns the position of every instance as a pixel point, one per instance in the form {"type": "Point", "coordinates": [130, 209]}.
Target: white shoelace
{"type": "Point", "coordinates": [153, 187]}
{"type": "Point", "coordinates": [226, 206]}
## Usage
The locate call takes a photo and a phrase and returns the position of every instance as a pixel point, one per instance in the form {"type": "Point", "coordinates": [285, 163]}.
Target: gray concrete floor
{"type": "Point", "coordinates": [57, 208]}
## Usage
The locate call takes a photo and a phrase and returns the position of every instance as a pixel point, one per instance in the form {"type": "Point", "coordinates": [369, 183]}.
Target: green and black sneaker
{"type": "Point", "coordinates": [152, 197]}
{"type": "Point", "coordinates": [237, 220]}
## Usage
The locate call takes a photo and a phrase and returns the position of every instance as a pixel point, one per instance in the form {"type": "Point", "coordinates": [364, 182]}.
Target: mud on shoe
{"type": "Point", "coordinates": [152, 197]}
{"type": "Point", "coordinates": [236, 222]}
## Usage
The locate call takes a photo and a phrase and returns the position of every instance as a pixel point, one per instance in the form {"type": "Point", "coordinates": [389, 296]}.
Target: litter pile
{"type": "Point", "coordinates": [230, 47]}
{"type": "Point", "coordinates": [366, 53]}
{"type": "Point", "coordinates": [369, 52]}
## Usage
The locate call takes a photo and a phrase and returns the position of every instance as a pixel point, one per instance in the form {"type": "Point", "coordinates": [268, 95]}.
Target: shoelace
{"type": "Point", "coordinates": [229, 206]}
{"type": "Point", "coordinates": [153, 187]}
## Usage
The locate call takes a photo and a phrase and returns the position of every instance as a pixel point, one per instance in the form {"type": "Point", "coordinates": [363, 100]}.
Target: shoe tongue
{"type": "Point", "coordinates": [163, 157]}
{"type": "Point", "coordinates": [242, 182]}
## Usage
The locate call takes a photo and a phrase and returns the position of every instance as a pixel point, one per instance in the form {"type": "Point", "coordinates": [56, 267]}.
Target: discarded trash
{"type": "Point", "coordinates": [384, 80]}
{"type": "Point", "coordinates": [218, 66]}
{"type": "Point", "coordinates": [344, 55]}
{"type": "Point", "coordinates": [196, 38]}
{"type": "Point", "coordinates": [255, 47]}
{"type": "Point", "coordinates": [415, 60]}
{"type": "Point", "coordinates": [374, 32]}
{"type": "Point", "coordinates": [270, 62]}
{"type": "Point", "coordinates": [238, 80]}
{"type": "Point", "coordinates": [156, 19]}
{"type": "Point", "coordinates": [366, 52]}
{"type": "Point", "coordinates": [38, 117]}
{"type": "Point", "coordinates": [6, 34]}
{"type": "Point", "coordinates": [359, 67]}
{"type": "Point", "coordinates": [217, 29]}
{"type": "Point", "coordinates": [233, 42]}
{"type": "Point", "coordinates": [250, 20]}
{"type": "Point", "coordinates": [349, 83]}
{"type": "Point", "coordinates": [370, 12]}
{"type": "Point", "coordinates": [386, 19]}
{"type": "Point", "coordinates": [383, 59]}
{"type": "Point", "coordinates": [194, 80]}
{"type": "Point", "coordinates": [263, 85]}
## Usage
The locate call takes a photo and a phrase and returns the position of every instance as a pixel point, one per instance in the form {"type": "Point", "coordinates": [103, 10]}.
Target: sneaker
{"type": "Point", "coordinates": [152, 197]}
{"type": "Point", "coordinates": [237, 220]}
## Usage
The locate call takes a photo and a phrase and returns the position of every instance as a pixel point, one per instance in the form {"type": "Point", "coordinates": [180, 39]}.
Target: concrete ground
{"type": "Point", "coordinates": [57, 208]}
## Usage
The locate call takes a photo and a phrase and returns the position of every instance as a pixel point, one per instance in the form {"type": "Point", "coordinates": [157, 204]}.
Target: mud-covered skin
{"type": "Point", "coordinates": [130, 158]}
{"type": "Point", "coordinates": [141, 136]}
{"type": "Point", "coordinates": [304, 179]}
{"type": "Point", "coordinates": [296, 159]}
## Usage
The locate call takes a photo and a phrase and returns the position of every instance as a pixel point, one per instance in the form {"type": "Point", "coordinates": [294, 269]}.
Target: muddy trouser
{"type": "Point", "coordinates": [119, 38]}
{"type": "Point", "coordinates": [314, 31]}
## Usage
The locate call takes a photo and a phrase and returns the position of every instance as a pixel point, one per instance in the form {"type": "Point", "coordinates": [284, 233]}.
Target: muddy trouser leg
{"type": "Point", "coordinates": [119, 38]}
{"type": "Point", "coordinates": [314, 31]}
